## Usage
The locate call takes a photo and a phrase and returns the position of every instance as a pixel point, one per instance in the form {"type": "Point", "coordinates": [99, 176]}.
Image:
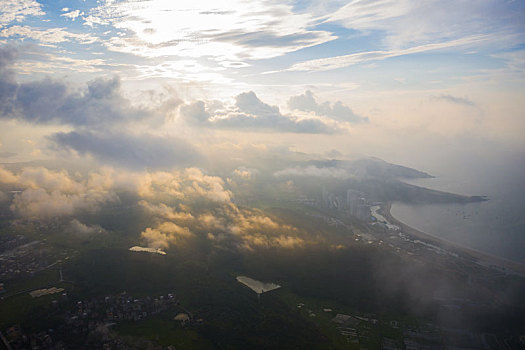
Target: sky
{"type": "Point", "coordinates": [159, 84]}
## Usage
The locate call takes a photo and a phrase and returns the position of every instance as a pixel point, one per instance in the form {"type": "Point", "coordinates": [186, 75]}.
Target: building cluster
{"type": "Point", "coordinates": [98, 337]}
{"type": "Point", "coordinates": [88, 322]}
{"type": "Point", "coordinates": [22, 258]}
{"type": "Point", "coordinates": [119, 307]}
{"type": "Point", "coordinates": [354, 203]}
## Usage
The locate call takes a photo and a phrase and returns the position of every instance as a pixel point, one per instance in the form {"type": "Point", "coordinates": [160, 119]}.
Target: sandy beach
{"type": "Point", "coordinates": [481, 258]}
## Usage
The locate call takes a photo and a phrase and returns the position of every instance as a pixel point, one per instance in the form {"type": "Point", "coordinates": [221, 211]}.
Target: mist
{"type": "Point", "coordinates": [367, 158]}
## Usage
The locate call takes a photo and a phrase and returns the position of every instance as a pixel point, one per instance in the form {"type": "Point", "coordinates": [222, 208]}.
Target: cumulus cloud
{"type": "Point", "coordinates": [165, 234]}
{"type": "Point", "coordinates": [187, 184]}
{"type": "Point", "coordinates": [211, 187]}
{"type": "Point", "coordinates": [249, 112]}
{"type": "Point", "coordinates": [247, 229]}
{"type": "Point", "coordinates": [338, 111]}
{"type": "Point", "coordinates": [167, 213]}
{"type": "Point", "coordinates": [77, 228]}
{"type": "Point", "coordinates": [174, 200]}
{"type": "Point", "coordinates": [48, 101]}
{"type": "Point", "coordinates": [245, 173]}
{"type": "Point", "coordinates": [47, 194]}
{"type": "Point", "coordinates": [99, 103]}
{"type": "Point", "coordinates": [41, 204]}
{"type": "Point", "coordinates": [98, 112]}
{"type": "Point", "coordinates": [132, 151]}
{"type": "Point", "coordinates": [223, 223]}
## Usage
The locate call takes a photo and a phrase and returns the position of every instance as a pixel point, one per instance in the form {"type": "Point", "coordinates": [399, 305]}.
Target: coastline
{"type": "Point", "coordinates": [482, 258]}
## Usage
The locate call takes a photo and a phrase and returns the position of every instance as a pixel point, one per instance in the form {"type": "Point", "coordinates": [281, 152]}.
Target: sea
{"type": "Point", "coordinates": [496, 227]}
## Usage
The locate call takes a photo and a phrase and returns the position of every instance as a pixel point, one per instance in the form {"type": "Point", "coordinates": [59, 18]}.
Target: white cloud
{"type": "Point", "coordinates": [72, 14]}
{"type": "Point", "coordinates": [165, 234]}
{"type": "Point", "coordinates": [329, 63]}
{"type": "Point", "coordinates": [49, 35]}
{"type": "Point", "coordinates": [46, 194]}
{"type": "Point", "coordinates": [18, 10]}
{"type": "Point", "coordinates": [225, 30]}
{"type": "Point", "coordinates": [406, 23]}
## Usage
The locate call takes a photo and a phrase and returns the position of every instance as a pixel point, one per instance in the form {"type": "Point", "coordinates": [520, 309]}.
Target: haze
{"type": "Point", "coordinates": [184, 143]}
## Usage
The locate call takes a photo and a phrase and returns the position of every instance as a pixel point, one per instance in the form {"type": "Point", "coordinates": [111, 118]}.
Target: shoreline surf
{"type": "Point", "coordinates": [482, 258]}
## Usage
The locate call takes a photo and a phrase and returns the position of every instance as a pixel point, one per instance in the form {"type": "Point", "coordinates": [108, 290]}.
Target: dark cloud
{"type": "Point", "coordinates": [338, 111]}
{"type": "Point", "coordinates": [130, 151]}
{"type": "Point", "coordinates": [249, 112]}
{"type": "Point", "coordinates": [7, 154]}
{"type": "Point", "coordinates": [458, 100]}
{"type": "Point", "coordinates": [195, 112]}
{"type": "Point", "coordinates": [48, 101]}
{"type": "Point", "coordinates": [8, 54]}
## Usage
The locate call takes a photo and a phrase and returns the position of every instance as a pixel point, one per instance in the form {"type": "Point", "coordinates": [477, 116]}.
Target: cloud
{"type": "Point", "coordinates": [165, 234]}
{"type": "Point", "coordinates": [187, 184]}
{"type": "Point", "coordinates": [48, 101]}
{"type": "Point", "coordinates": [314, 171]}
{"type": "Point", "coordinates": [336, 62]}
{"type": "Point", "coordinates": [7, 154]}
{"type": "Point", "coordinates": [174, 201]}
{"type": "Point", "coordinates": [167, 213]}
{"type": "Point", "coordinates": [47, 194]}
{"type": "Point", "coordinates": [405, 23]}
{"type": "Point", "coordinates": [231, 226]}
{"type": "Point", "coordinates": [131, 151]}
{"type": "Point", "coordinates": [195, 112]}
{"type": "Point", "coordinates": [250, 113]}
{"type": "Point", "coordinates": [41, 204]}
{"type": "Point", "coordinates": [457, 100]}
{"type": "Point", "coordinates": [72, 14]}
{"type": "Point", "coordinates": [47, 35]}
{"type": "Point", "coordinates": [245, 173]}
{"type": "Point", "coordinates": [82, 230]}
{"type": "Point", "coordinates": [237, 32]}
{"type": "Point", "coordinates": [338, 111]}
{"type": "Point", "coordinates": [18, 10]}
{"type": "Point", "coordinates": [41, 177]}
{"type": "Point", "coordinates": [8, 54]}
{"type": "Point", "coordinates": [221, 222]}
{"type": "Point", "coordinates": [207, 186]}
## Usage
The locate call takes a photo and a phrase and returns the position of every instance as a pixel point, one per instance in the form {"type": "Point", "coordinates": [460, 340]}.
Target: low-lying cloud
{"type": "Point", "coordinates": [311, 170]}
{"type": "Point", "coordinates": [131, 151]}
{"type": "Point", "coordinates": [337, 111]}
